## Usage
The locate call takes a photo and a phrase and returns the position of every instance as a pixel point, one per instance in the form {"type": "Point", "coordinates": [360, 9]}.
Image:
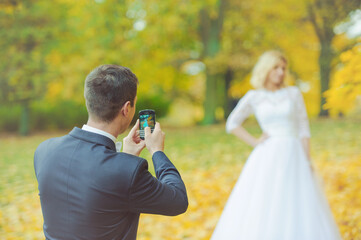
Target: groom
{"type": "Point", "coordinates": [89, 190]}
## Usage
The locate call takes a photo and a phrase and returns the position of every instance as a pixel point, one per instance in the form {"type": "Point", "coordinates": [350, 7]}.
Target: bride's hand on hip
{"type": "Point", "coordinates": [262, 138]}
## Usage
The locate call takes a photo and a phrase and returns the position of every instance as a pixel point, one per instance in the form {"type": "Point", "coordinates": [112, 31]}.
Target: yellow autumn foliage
{"type": "Point", "coordinates": [346, 85]}
{"type": "Point", "coordinates": [208, 190]}
{"type": "Point", "coordinates": [210, 162]}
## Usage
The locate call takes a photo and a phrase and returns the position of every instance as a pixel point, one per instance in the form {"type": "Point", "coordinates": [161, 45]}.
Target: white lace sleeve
{"type": "Point", "coordinates": [303, 124]}
{"type": "Point", "coordinates": [240, 112]}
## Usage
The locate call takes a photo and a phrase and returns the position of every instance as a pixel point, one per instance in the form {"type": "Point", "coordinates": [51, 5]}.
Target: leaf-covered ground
{"type": "Point", "coordinates": [210, 162]}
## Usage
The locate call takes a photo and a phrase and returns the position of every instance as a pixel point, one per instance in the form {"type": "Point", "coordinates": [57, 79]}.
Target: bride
{"type": "Point", "coordinates": [276, 196]}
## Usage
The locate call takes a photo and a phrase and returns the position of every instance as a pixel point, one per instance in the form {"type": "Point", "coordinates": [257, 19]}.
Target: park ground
{"type": "Point", "coordinates": [210, 162]}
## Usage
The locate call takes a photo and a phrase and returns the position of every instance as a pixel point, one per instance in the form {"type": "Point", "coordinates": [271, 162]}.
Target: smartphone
{"type": "Point", "coordinates": [146, 119]}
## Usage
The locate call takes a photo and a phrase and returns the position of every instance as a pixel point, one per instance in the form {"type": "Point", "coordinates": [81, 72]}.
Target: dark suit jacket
{"type": "Point", "coordinates": [89, 191]}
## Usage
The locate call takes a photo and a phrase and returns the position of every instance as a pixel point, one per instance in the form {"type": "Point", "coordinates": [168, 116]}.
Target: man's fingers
{"type": "Point", "coordinates": [142, 144]}
{"type": "Point", "coordinates": [147, 131]}
{"type": "Point", "coordinates": [137, 139]}
{"type": "Point", "coordinates": [157, 126]}
{"type": "Point", "coordinates": [134, 129]}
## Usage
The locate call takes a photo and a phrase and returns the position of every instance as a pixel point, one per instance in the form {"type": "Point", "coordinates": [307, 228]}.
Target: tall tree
{"type": "Point", "coordinates": [210, 30]}
{"type": "Point", "coordinates": [324, 16]}
{"type": "Point", "coordinates": [142, 35]}
{"type": "Point", "coordinates": [27, 28]}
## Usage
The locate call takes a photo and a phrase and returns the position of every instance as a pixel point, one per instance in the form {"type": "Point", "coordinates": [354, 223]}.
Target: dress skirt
{"type": "Point", "coordinates": [277, 197]}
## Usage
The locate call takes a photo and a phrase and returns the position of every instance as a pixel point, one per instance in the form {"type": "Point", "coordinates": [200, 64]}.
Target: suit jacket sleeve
{"type": "Point", "coordinates": [164, 195]}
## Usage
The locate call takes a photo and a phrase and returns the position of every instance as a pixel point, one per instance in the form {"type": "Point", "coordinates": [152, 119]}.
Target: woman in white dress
{"type": "Point", "coordinates": [276, 196]}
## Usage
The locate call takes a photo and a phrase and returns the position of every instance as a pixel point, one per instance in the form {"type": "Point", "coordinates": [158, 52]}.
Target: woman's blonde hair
{"type": "Point", "coordinates": [265, 63]}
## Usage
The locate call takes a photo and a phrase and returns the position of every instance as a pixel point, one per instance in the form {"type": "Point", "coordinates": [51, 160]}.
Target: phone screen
{"type": "Point", "coordinates": [146, 119]}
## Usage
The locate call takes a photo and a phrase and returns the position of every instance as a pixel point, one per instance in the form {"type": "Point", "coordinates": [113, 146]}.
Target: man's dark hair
{"type": "Point", "coordinates": [106, 90]}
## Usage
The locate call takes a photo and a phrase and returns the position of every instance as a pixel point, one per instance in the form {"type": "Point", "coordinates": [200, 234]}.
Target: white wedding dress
{"type": "Point", "coordinates": [277, 196]}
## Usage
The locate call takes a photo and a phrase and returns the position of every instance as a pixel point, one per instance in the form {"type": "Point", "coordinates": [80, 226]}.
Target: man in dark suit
{"type": "Point", "coordinates": [89, 190]}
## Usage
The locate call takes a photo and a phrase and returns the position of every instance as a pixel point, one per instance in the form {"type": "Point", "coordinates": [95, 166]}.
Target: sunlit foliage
{"type": "Point", "coordinates": [346, 86]}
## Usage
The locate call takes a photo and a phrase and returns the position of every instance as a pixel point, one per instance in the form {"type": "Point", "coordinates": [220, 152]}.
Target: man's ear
{"type": "Point", "coordinates": [125, 109]}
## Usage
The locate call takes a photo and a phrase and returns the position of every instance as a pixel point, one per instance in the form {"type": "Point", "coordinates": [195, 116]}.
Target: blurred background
{"type": "Point", "coordinates": [193, 60]}
{"type": "Point", "coordinates": [193, 56]}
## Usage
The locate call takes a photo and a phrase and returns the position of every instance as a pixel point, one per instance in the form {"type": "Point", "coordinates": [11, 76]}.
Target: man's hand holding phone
{"type": "Point", "coordinates": [154, 141]}
{"type": "Point", "coordinates": [132, 144]}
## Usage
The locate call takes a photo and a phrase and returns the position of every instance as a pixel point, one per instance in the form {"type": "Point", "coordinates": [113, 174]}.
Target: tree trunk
{"type": "Point", "coordinates": [210, 33]}
{"type": "Point", "coordinates": [228, 77]}
{"type": "Point", "coordinates": [212, 46]}
{"type": "Point", "coordinates": [24, 118]}
{"type": "Point", "coordinates": [210, 102]}
{"type": "Point", "coordinates": [325, 70]}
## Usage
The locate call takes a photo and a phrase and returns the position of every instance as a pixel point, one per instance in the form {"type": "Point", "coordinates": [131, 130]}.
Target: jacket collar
{"type": "Point", "coordinates": [92, 137]}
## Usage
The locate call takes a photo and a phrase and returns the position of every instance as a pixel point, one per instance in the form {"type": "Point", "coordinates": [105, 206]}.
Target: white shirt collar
{"type": "Point", "coordinates": [88, 128]}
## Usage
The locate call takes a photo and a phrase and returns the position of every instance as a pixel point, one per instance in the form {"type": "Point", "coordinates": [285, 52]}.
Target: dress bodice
{"type": "Point", "coordinates": [279, 113]}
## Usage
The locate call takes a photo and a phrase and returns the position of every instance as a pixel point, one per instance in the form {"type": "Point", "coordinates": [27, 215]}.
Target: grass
{"type": "Point", "coordinates": [210, 162]}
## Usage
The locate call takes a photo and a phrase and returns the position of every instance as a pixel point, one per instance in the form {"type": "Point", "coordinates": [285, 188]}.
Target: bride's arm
{"type": "Point", "coordinates": [237, 117]}
{"type": "Point", "coordinates": [303, 123]}
{"type": "Point", "coordinates": [244, 135]}
{"type": "Point", "coordinates": [306, 147]}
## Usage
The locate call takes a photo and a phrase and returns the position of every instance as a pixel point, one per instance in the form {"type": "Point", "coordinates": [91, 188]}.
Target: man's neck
{"type": "Point", "coordinates": [106, 127]}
